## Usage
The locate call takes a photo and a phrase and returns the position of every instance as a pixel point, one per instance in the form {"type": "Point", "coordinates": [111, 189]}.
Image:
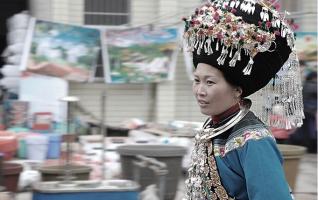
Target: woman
{"type": "Point", "coordinates": [237, 47]}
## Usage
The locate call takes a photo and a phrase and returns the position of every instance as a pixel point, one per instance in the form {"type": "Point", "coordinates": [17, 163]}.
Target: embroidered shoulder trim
{"type": "Point", "coordinates": [240, 140]}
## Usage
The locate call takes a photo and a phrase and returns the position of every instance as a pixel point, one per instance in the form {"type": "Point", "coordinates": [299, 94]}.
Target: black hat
{"type": "Point", "coordinates": [247, 40]}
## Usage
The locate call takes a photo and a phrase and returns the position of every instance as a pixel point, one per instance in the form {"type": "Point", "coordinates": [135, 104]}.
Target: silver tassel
{"type": "Point", "coordinates": [207, 47]}
{"type": "Point", "coordinates": [248, 69]}
{"type": "Point", "coordinates": [231, 52]}
{"type": "Point", "coordinates": [232, 4]}
{"type": "Point", "coordinates": [237, 3]}
{"type": "Point", "coordinates": [198, 51]}
{"type": "Point", "coordinates": [252, 8]}
{"type": "Point", "coordinates": [196, 43]}
{"type": "Point", "coordinates": [223, 55]}
{"type": "Point", "coordinates": [237, 54]}
{"type": "Point", "coordinates": [243, 6]}
{"type": "Point", "coordinates": [217, 45]}
{"type": "Point", "coordinates": [202, 42]}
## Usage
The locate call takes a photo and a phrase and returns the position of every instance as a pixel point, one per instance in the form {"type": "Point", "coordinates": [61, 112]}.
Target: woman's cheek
{"type": "Point", "coordinates": [194, 88]}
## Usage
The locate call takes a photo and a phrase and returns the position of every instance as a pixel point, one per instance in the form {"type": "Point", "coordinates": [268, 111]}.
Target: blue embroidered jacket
{"type": "Point", "coordinates": [249, 162]}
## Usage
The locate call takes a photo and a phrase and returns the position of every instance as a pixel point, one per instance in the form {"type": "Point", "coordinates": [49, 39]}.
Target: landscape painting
{"type": "Point", "coordinates": [140, 55]}
{"type": "Point", "coordinates": [65, 51]}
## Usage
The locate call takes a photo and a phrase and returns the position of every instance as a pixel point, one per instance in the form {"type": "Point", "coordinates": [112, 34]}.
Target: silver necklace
{"type": "Point", "coordinates": [209, 133]}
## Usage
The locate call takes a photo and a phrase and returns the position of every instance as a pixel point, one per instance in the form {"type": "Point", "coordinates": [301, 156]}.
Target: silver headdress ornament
{"type": "Point", "coordinates": [216, 22]}
{"type": "Point", "coordinates": [282, 97]}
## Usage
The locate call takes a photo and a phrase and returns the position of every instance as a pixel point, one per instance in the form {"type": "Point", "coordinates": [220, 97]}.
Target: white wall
{"type": "Point", "coordinates": [41, 9]}
{"type": "Point", "coordinates": [308, 20]}
{"type": "Point", "coordinates": [143, 11]}
{"type": "Point", "coordinates": [122, 101]}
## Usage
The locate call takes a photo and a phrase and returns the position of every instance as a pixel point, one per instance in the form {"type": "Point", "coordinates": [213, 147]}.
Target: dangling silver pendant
{"type": "Point", "coordinates": [252, 8]}
{"type": "Point", "coordinates": [264, 14]}
{"type": "Point", "coordinates": [248, 69]}
{"type": "Point", "coordinates": [275, 20]}
{"type": "Point", "coordinates": [237, 3]}
{"type": "Point", "coordinates": [243, 6]}
{"type": "Point", "coordinates": [232, 4]}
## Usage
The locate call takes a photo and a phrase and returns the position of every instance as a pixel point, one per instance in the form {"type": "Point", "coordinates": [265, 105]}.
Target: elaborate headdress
{"type": "Point", "coordinates": [251, 43]}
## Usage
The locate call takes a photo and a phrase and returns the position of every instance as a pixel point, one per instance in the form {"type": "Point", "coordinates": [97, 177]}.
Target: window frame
{"type": "Point", "coordinates": [107, 14]}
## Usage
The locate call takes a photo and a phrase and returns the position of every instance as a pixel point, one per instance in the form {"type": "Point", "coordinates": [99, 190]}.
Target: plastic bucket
{"type": "Point", "coordinates": [54, 146]}
{"type": "Point", "coordinates": [22, 146]}
{"type": "Point", "coordinates": [11, 174]}
{"type": "Point", "coordinates": [22, 150]}
{"type": "Point", "coordinates": [171, 155]}
{"type": "Point", "coordinates": [37, 147]}
{"type": "Point", "coordinates": [8, 144]}
{"type": "Point", "coordinates": [292, 155]}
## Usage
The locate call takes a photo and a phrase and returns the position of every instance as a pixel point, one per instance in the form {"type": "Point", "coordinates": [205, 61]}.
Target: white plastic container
{"type": "Point", "coordinates": [18, 21]}
{"type": "Point", "coordinates": [10, 82]}
{"type": "Point", "coordinates": [37, 147]}
{"type": "Point", "coordinates": [11, 70]}
{"type": "Point", "coordinates": [16, 36]}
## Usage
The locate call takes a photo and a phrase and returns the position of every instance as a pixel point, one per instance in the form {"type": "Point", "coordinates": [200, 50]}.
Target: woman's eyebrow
{"type": "Point", "coordinates": [205, 76]}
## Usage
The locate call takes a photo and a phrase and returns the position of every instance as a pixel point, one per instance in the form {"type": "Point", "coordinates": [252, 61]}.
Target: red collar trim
{"type": "Point", "coordinates": [218, 118]}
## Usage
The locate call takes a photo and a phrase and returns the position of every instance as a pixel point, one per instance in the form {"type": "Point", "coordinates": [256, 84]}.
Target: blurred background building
{"type": "Point", "coordinates": [150, 102]}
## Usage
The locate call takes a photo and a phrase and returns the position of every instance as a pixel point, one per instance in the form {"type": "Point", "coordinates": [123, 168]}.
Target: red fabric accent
{"type": "Point", "coordinates": [217, 118]}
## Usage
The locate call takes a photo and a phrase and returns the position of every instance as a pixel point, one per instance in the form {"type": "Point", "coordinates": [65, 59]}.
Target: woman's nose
{"type": "Point", "coordinates": [201, 90]}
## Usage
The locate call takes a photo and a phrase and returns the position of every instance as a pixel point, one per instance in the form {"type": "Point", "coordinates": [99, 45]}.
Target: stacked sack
{"type": "Point", "coordinates": [16, 39]}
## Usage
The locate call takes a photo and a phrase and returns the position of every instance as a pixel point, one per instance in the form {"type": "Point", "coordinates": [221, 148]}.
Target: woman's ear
{"type": "Point", "coordinates": [238, 92]}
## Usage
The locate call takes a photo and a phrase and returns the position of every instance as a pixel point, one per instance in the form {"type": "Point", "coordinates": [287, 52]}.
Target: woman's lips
{"type": "Point", "coordinates": [202, 103]}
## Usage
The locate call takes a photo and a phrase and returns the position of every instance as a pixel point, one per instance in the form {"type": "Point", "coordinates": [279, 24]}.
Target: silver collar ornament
{"type": "Point", "coordinates": [204, 181]}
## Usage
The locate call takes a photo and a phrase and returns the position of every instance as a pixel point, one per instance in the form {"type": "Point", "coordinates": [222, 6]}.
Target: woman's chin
{"type": "Point", "coordinates": [205, 111]}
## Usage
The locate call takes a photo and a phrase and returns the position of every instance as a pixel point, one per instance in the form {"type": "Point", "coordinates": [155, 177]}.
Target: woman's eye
{"type": "Point", "coordinates": [196, 80]}
{"type": "Point", "coordinates": [209, 82]}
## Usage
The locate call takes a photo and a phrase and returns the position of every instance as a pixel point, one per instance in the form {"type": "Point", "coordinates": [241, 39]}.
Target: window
{"type": "Point", "coordinates": [106, 12]}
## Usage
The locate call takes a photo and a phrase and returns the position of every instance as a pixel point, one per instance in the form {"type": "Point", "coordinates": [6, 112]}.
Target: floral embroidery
{"type": "Point", "coordinates": [238, 141]}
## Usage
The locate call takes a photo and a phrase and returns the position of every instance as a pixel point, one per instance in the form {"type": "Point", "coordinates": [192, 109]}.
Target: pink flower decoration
{"type": "Point", "coordinates": [216, 16]}
{"type": "Point", "coordinates": [228, 19]}
{"type": "Point", "coordinates": [220, 36]}
{"type": "Point", "coordinates": [277, 6]}
{"type": "Point", "coordinates": [222, 151]}
{"type": "Point", "coordinates": [277, 33]}
{"type": "Point", "coordinates": [247, 135]}
{"type": "Point", "coordinates": [259, 38]}
{"type": "Point", "coordinates": [264, 38]}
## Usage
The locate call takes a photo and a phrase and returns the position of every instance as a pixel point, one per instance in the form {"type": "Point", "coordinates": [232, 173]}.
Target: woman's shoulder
{"type": "Point", "coordinates": [249, 128]}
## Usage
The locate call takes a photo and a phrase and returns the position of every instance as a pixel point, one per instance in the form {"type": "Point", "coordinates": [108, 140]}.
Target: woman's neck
{"type": "Point", "coordinates": [220, 117]}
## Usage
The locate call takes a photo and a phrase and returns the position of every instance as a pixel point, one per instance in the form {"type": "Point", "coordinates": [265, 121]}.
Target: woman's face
{"type": "Point", "coordinates": [213, 93]}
